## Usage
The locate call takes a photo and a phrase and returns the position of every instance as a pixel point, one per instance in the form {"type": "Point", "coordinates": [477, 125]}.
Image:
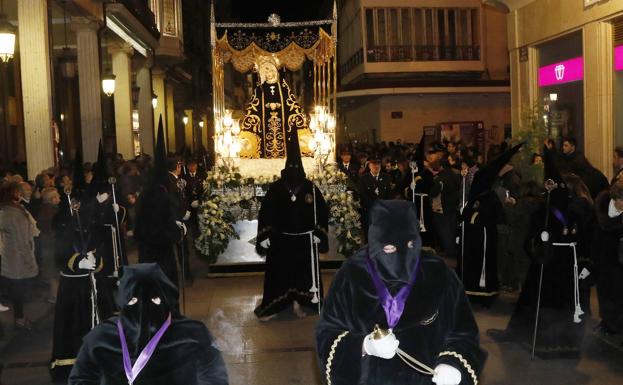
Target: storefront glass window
{"type": "Point", "coordinates": [561, 86]}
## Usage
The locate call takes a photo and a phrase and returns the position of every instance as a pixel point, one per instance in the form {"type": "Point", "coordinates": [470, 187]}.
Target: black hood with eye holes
{"type": "Point", "coordinates": [185, 355]}
{"type": "Point", "coordinates": [146, 282]}
{"type": "Point", "coordinates": [150, 274]}
{"type": "Point", "coordinates": [395, 223]}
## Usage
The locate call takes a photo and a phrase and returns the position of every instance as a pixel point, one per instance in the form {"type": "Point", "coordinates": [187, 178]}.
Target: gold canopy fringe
{"type": "Point", "coordinates": [292, 57]}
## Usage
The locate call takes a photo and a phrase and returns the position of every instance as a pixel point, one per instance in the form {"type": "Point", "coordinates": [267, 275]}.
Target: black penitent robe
{"type": "Point", "coordinates": [437, 326]}
{"type": "Point", "coordinates": [479, 248]}
{"type": "Point", "coordinates": [156, 232]}
{"type": "Point", "coordinates": [609, 264]}
{"type": "Point", "coordinates": [74, 313]}
{"type": "Point", "coordinates": [288, 275]}
{"type": "Point", "coordinates": [186, 355]}
{"type": "Point", "coordinates": [423, 184]}
{"type": "Point", "coordinates": [558, 336]}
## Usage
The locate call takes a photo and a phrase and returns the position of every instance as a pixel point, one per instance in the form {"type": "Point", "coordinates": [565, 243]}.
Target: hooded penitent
{"type": "Point", "coordinates": [185, 353]}
{"type": "Point", "coordinates": [436, 325]}
{"type": "Point", "coordinates": [78, 231]}
{"type": "Point", "coordinates": [292, 213]}
{"type": "Point", "coordinates": [486, 176]}
{"type": "Point", "coordinates": [559, 243]}
{"type": "Point", "coordinates": [98, 217]}
{"type": "Point", "coordinates": [477, 263]}
{"type": "Point", "coordinates": [155, 230]}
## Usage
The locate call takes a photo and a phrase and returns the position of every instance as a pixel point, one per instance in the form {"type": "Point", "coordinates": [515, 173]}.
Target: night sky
{"type": "Point", "coordinates": [289, 10]}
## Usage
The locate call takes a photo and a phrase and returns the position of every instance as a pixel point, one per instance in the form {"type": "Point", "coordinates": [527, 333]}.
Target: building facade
{"type": "Point", "coordinates": [407, 66]}
{"type": "Point", "coordinates": [566, 54]}
{"type": "Point", "coordinates": [53, 97]}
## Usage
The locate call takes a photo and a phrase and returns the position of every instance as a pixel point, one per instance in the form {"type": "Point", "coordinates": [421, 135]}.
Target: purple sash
{"type": "Point", "coordinates": [131, 372]}
{"type": "Point", "coordinates": [393, 305]}
{"type": "Point", "coordinates": [561, 218]}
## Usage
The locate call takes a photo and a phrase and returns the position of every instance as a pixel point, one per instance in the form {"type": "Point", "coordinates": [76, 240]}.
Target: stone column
{"type": "Point", "coordinates": [90, 86]}
{"type": "Point", "coordinates": [524, 74]}
{"type": "Point", "coordinates": [170, 123]}
{"type": "Point", "coordinates": [524, 85]}
{"type": "Point", "coordinates": [157, 83]}
{"type": "Point", "coordinates": [36, 84]}
{"type": "Point", "coordinates": [598, 96]}
{"type": "Point", "coordinates": [145, 109]}
{"type": "Point", "coordinates": [122, 69]}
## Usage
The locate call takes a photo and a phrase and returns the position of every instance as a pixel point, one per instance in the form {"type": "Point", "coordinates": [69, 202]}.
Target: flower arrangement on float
{"type": "Point", "coordinates": [343, 208]}
{"type": "Point", "coordinates": [229, 196]}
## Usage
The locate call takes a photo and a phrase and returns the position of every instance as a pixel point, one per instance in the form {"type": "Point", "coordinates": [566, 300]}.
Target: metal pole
{"type": "Point", "coordinates": [183, 272]}
{"type": "Point", "coordinates": [112, 180]}
{"type": "Point", "coordinates": [463, 231]}
{"type": "Point", "coordinates": [83, 253]}
{"type": "Point", "coordinates": [538, 301]}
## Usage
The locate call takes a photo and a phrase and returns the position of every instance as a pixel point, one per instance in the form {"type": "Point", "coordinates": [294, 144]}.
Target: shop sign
{"type": "Point", "coordinates": [564, 72]}
{"type": "Point", "coordinates": [618, 58]}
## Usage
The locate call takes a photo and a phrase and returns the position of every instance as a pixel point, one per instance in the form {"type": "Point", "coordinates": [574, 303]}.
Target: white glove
{"type": "Point", "coordinates": [316, 239]}
{"type": "Point", "coordinates": [88, 262]}
{"type": "Point", "coordinates": [186, 216]}
{"type": "Point", "coordinates": [181, 226]}
{"type": "Point", "coordinates": [384, 347]}
{"type": "Point", "coordinates": [115, 207]}
{"type": "Point", "coordinates": [194, 204]}
{"type": "Point", "coordinates": [101, 198]}
{"type": "Point", "coordinates": [446, 375]}
{"type": "Point", "coordinates": [265, 243]}
{"type": "Point", "coordinates": [412, 185]}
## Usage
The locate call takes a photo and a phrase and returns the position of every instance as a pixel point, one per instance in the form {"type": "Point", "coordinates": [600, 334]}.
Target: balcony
{"type": "Point", "coordinates": [419, 53]}
{"type": "Point", "coordinates": [168, 20]}
{"type": "Point", "coordinates": [141, 11]}
{"type": "Point", "coordinates": [134, 23]}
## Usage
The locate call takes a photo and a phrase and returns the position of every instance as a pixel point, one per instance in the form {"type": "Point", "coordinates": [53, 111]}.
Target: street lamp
{"type": "Point", "coordinates": [7, 38]}
{"type": "Point", "coordinates": [154, 100]}
{"type": "Point", "coordinates": [185, 119]}
{"type": "Point", "coordinates": [201, 123]}
{"type": "Point", "coordinates": [108, 84]}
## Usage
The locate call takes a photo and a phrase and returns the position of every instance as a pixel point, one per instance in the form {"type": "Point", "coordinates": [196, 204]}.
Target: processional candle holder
{"type": "Point", "coordinates": [226, 138]}
{"type": "Point", "coordinates": [322, 125]}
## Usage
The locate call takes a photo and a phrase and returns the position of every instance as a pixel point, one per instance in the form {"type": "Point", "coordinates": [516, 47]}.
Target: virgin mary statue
{"type": "Point", "coordinates": [273, 117]}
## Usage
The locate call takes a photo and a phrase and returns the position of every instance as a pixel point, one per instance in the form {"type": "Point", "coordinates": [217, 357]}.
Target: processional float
{"type": "Point", "coordinates": [288, 45]}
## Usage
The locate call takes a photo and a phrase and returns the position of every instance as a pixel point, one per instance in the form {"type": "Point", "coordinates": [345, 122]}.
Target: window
{"type": "Point", "coordinates": [422, 34]}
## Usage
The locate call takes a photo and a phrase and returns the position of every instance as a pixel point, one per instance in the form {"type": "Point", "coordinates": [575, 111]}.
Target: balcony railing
{"type": "Point", "coordinates": [352, 62]}
{"type": "Point", "coordinates": [409, 53]}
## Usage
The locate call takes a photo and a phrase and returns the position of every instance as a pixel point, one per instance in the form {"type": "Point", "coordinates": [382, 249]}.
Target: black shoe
{"type": "Point", "coordinates": [499, 335]}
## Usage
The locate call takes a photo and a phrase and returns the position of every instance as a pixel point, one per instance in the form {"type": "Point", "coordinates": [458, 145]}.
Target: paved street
{"type": "Point", "coordinates": [282, 351]}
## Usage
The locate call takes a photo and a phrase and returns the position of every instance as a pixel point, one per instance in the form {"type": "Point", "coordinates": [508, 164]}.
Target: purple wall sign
{"type": "Point", "coordinates": [618, 58]}
{"type": "Point", "coordinates": [564, 72]}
